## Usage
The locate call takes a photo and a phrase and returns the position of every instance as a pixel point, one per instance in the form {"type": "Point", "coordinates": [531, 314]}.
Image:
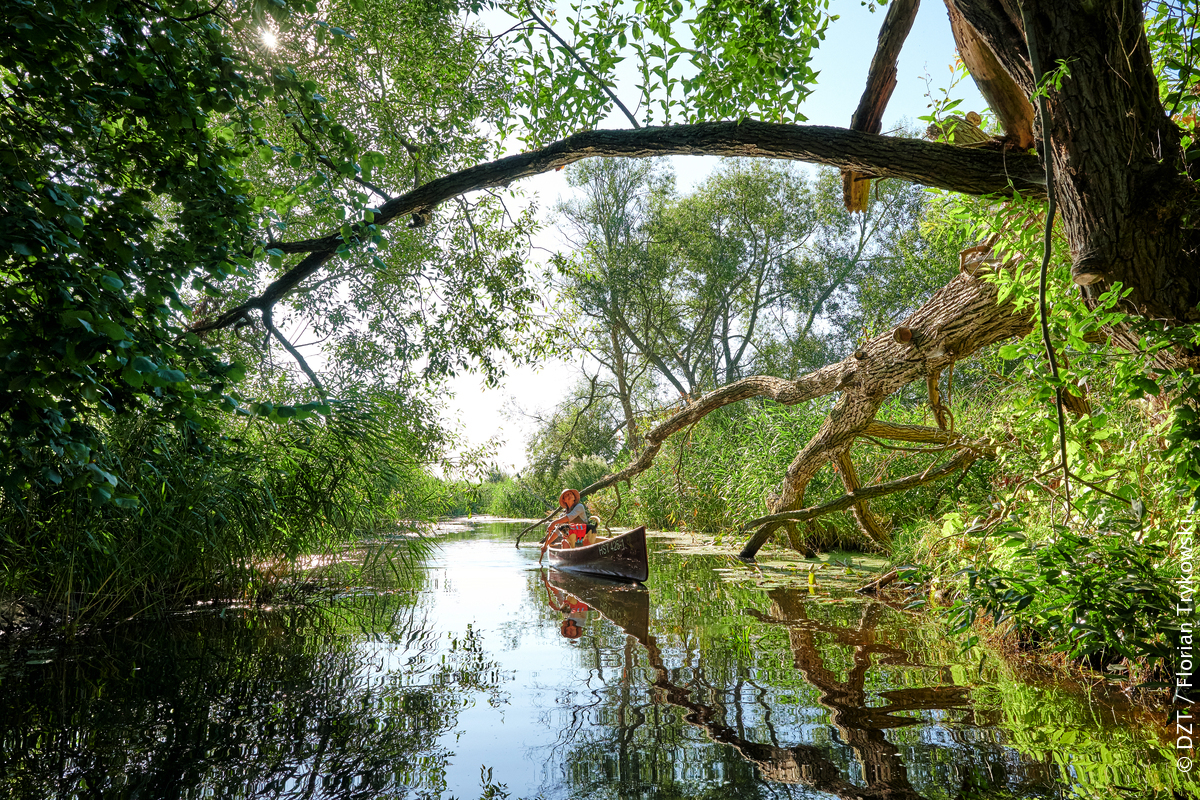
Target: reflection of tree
{"type": "Point", "coordinates": [280, 704]}
{"type": "Point", "coordinates": [859, 711]}
{"type": "Point", "coordinates": [861, 727]}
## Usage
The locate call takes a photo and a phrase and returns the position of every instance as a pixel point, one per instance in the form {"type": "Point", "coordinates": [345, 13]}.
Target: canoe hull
{"type": "Point", "coordinates": [622, 557]}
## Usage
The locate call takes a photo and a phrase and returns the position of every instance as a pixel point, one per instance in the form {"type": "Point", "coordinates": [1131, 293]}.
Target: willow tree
{"type": "Point", "coordinates": [729, 77]}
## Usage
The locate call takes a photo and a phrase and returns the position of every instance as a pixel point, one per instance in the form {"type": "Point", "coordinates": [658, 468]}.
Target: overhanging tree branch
{"type": "Point", "coordinates": [956, 169]}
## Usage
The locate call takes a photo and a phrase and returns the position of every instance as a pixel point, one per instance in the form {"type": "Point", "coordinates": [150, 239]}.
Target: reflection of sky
{"type": "Point", "coordinates": [484, 584]}
{"type": "Point", "coordinates": [558, 699]}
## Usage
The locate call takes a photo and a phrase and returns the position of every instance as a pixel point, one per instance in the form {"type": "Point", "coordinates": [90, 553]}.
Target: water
{"type": "Point", "coordinates": [495, 678]}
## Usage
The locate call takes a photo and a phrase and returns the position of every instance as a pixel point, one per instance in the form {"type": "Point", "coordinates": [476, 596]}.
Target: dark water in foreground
{"type": "Point", "coordinates": [693, 688]}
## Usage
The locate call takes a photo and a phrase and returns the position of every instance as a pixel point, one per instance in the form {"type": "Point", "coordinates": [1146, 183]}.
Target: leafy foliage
{"type": "Point", "coordinates": [122, 190]}
{"type": "Point", "coordinates": [409, 91]}
{"type": "Point", "coordinates": [1084, 560]}
{"type": "Point", "coordinates": [155, 158]}
{"type": "Point", "coordinates": [1173, 30]}
{"type": "Point", "coordinates": [1100, 598]}
{"type": "Point", "coordinates": [740, 58]}
{"type": "Point", "coordinates": [760, 270]}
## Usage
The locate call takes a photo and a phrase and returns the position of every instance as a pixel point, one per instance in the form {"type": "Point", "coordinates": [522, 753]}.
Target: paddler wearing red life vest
{"type": "Point", "coordinates": [576, 520]}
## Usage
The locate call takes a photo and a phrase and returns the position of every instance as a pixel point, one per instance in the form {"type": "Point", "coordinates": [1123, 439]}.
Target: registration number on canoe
{"type": "Point", "coordinates": [611, 547]}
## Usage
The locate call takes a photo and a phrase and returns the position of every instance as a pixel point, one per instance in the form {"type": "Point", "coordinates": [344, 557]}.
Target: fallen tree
{"type": "Point", "coordinates": [959, 320]}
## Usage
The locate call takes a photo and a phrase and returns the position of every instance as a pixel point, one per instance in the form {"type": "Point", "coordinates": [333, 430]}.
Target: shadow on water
{"type": "Point", "coordinates": [564, 687]}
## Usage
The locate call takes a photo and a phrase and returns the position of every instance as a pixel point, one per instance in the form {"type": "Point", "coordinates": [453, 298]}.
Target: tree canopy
{"type": "Point", "coordinates": [176, 171]}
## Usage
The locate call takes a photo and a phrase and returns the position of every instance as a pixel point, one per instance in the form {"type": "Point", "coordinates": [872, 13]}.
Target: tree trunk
{"type": "Point", "coordinates": [1119, 172]}
{"type": "Point", "coordinates": [623, 389]}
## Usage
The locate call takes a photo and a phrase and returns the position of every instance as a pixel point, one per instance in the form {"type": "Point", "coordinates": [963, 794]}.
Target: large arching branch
{"type": "Point", "coordinates": [957, 169]}
{"type": "Point", "coordinates": [816, 384]}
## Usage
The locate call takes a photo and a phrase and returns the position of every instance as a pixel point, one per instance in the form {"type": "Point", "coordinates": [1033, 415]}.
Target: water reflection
{"type": "Point", "coordinates": [860, 727]}
{"type": "Point", "coordinates": [862, 675]}
{"type": "Point", "coordinates": [564, 687]}
{"type": "Point", "coordinates": [301, 703]}
{"type": "Point", "coordinates": [574, 610]}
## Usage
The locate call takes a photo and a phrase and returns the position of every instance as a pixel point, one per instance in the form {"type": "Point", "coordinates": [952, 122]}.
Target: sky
{"type": "Point", "coordinates": [842, 61]}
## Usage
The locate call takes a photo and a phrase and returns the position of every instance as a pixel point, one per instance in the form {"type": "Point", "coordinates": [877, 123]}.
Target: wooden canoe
{"type": "Point", "coordinates": [622, 557]}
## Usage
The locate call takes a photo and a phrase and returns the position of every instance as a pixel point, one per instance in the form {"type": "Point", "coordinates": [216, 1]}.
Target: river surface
{"type": "Point", "coordinates": [489, 677]}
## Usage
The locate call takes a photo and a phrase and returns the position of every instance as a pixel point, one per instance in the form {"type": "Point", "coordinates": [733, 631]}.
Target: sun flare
{"type": "Point", "coordinates": [269, 39]}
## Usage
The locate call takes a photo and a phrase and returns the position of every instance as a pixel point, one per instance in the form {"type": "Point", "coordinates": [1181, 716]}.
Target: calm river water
{"type": "Point", "coordinates": [494, 678]}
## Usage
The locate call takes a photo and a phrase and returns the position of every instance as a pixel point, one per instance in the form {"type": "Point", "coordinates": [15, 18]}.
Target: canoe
{"type": "Point", "coordinates": [622, 557]}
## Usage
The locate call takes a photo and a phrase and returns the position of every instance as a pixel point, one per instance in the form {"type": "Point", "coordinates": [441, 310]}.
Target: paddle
{"type": "Point", "coordinates": [546, 518]}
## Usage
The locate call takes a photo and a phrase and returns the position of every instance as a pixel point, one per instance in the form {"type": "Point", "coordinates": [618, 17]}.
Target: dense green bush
{"type": "Point", "coordinates": [1079, 555]}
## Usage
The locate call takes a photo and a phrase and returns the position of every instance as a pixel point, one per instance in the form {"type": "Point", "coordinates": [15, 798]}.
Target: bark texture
{"type": "Point", "coordinates": [1006, 99]}
{"type": "Point", "coordinates": [961, 318]}
{"type": "Point", "coordinates": [958, 320]}
{"type": "Point", "coordinates": [1122, 192]}
{"type": "Point", "coordinates": [881, 82]}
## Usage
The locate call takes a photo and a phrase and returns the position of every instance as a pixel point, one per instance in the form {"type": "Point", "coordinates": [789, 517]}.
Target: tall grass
{"type": "Point", "coordinates": [721, 472]}
{"type": "Point", "coordinates": [217, 516]}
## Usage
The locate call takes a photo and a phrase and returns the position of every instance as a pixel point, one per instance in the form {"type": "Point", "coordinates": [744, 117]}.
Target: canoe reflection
{"type": "Point", "coordinates": [861, 726]}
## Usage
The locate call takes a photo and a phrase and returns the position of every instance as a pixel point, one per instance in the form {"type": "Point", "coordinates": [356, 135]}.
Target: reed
{"type": "Point", "coordinates": [220, 516]}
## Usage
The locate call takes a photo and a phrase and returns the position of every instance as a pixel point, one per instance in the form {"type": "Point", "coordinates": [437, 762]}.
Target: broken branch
{"type": "Point", "coordinates": [961, 460]}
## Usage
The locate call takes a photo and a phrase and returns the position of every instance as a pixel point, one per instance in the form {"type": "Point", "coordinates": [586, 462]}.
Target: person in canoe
{"type": "Point", "coordinates": [575, 520]}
